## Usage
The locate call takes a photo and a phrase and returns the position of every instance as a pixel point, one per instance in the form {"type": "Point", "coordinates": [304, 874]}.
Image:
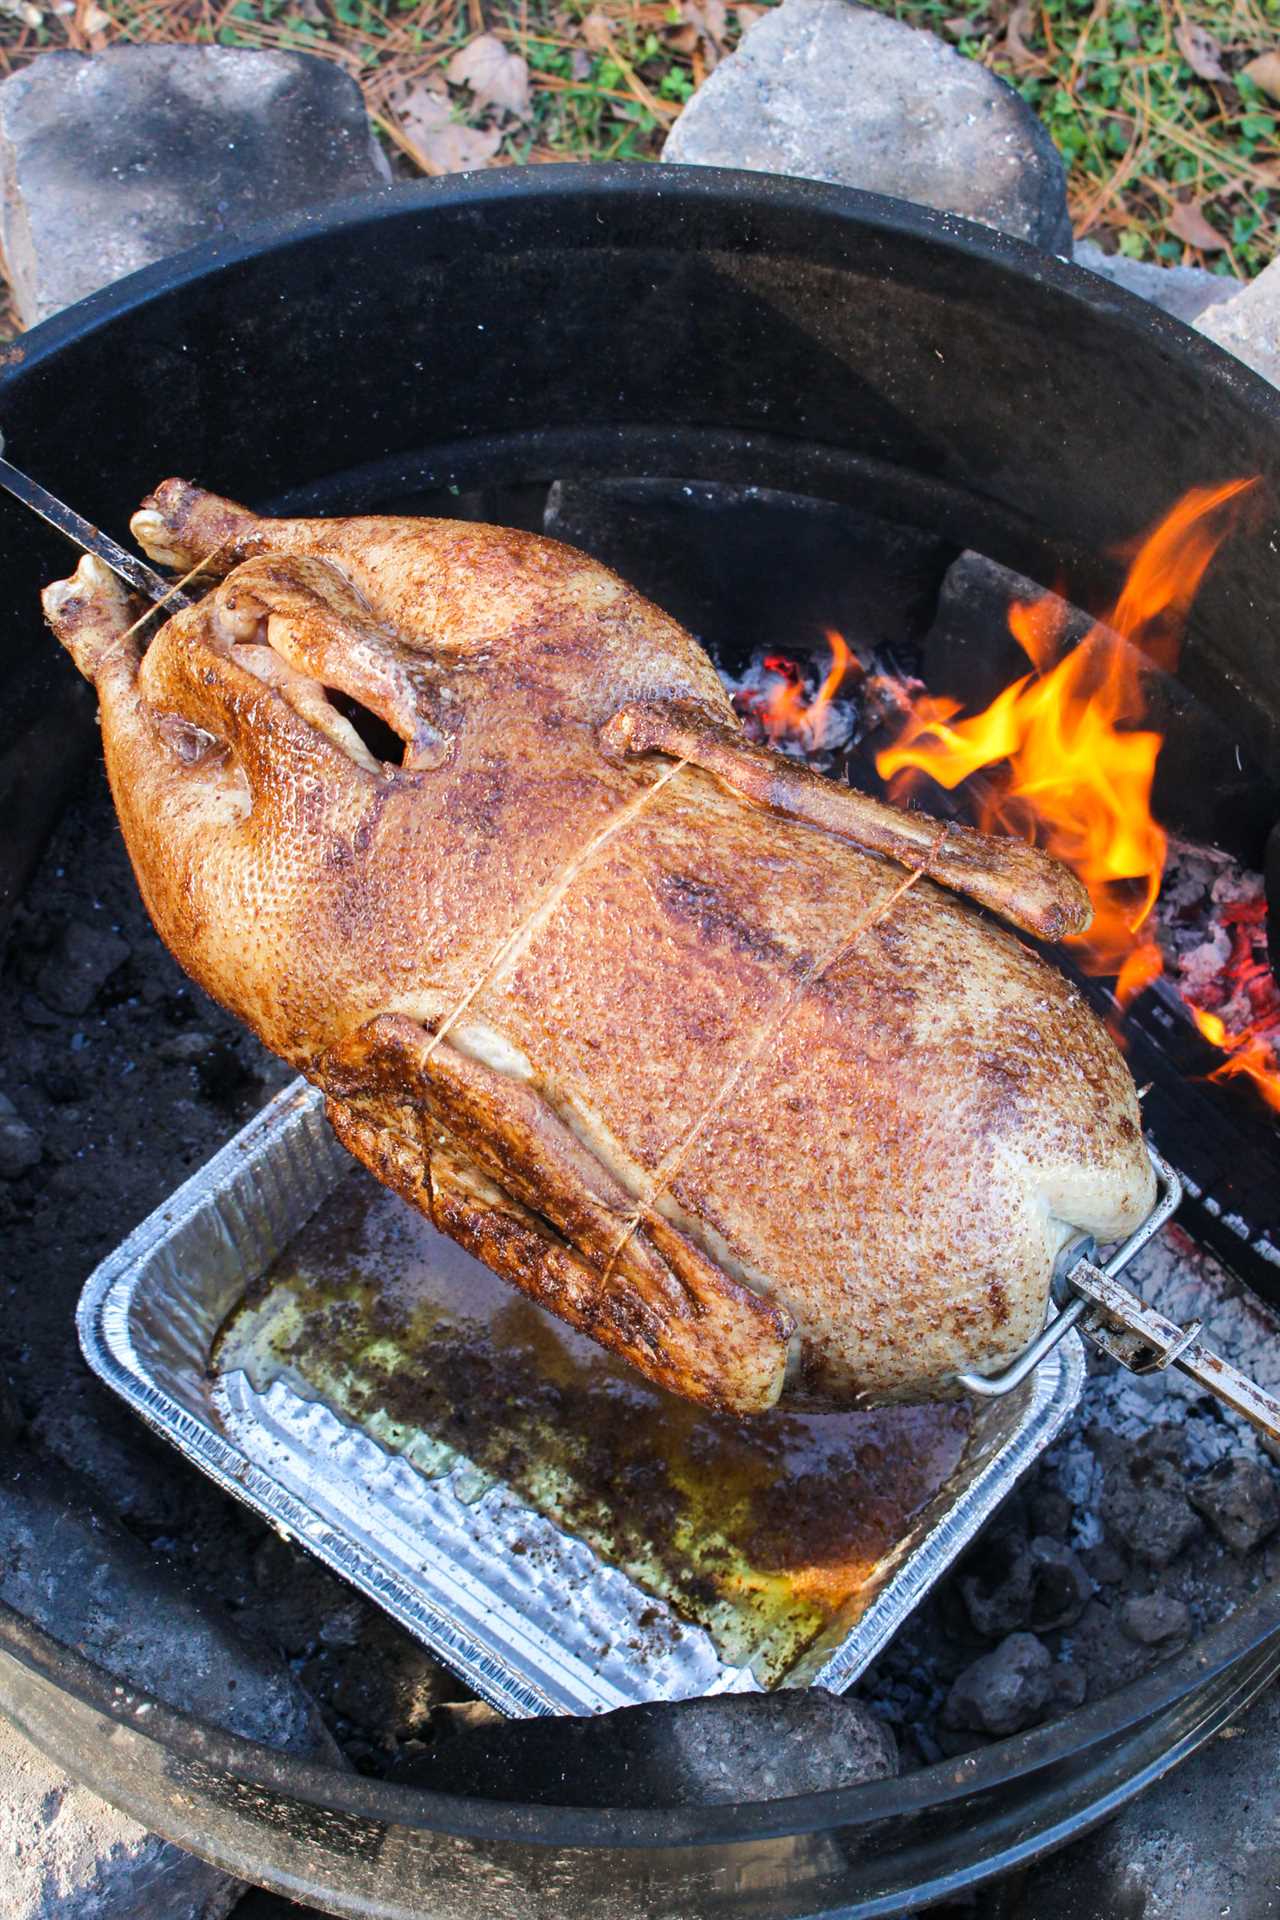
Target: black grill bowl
{"type": "Point", "coordinates": [485, 332]}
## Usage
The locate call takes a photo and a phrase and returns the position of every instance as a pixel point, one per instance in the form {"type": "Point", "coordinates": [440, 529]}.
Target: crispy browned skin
{"type": "Point", "coordinates": [668, 1042]}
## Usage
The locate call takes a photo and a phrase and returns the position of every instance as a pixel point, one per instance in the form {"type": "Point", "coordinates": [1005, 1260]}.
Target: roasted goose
{"type": "Point", "coordinates": [700, 1050]}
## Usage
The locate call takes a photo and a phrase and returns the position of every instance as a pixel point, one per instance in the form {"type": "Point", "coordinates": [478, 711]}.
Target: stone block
{"type": "Point", "coordinates": [110, 161]}
{"type": "Point", "coordinates": [1183, 292]}
{"type": "Point", "coordinates": [826, 90]}
{"type": "Point", "coordinates": [66, 1854]}
{"type": "Point", "coordinates": [1249, 325]}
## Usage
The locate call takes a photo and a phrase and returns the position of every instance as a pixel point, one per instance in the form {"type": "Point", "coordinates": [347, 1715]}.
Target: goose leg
{"type": "Point", "coordinates": [1019, 882]}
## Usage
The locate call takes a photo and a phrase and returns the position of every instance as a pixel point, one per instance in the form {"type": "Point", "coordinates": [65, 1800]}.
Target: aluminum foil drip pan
{"type": "Point", "coordinates": [565, 1536]}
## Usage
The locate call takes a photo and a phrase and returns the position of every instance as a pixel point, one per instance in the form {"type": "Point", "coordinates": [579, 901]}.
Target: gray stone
{"type": "Point", "coordinates": [1156, 1620]}
{"type": "Point", "coordinates": [82, 961]}
{"type": "Point", "coordinates": [1006, 1690]}
{"type": "Point", "coordinates": [1184, 292]}
{"type": "Point", "coordinates": [112, 160]}
{"type": "Point", "coordinates": [69, 1856]}
{"type": "Point", "coordinates": [830, 91]}
{"type": "Point", "coordinates": [682, 1753]}
{"type": "Point", "coordinates": [1203, 1843]}
{"type": "Point", "coordinates": [88, 1583]}
{"type": "Point", "coordinates": [1249, 325]}
{"type": "Point", "coordinates": [1237, 1496]}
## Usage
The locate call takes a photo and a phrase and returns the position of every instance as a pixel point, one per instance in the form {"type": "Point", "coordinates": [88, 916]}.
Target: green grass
{"type": "Point", "coordinates": [1163, 164]}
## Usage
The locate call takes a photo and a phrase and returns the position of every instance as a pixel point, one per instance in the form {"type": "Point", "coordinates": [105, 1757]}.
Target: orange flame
{"type": "Point", "coordinates": [1247, 1053]}
{"type": "Point", "coordinates": [1067, 760]}
{"type": "Point", "coordinates": [786, 713]}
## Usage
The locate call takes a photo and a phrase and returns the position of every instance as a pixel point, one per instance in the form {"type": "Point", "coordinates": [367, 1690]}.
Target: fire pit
{"type": "Point", "coordinates": [699, 337]}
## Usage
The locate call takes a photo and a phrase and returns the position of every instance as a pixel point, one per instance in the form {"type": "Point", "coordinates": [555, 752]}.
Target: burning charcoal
{"type": "Point", "coordinates": [35, 1012]}
{"type": "Point", "coordinates": [996, 1584]}
{"type": "Point", "coordinates": [20, 1145]}
{"type": "Point", "coordinates": [79, 966]}
{"type": "Point", "coordinates": [187, 1049]}
{"type": "Point", "coordinates": [1051, 1511]}
{"type": "Point", "coordinates": [1070, 1687]}
{"type": "Point", "coordinates": [1005, 1691]}
{"type": "Point", "coordinates": [1105, 1567]}
{"type": "Point", "coordinates": [764, 1746]}
{"type": "Point", "coordinates": [1156, 1620]}
{"type": "Point", "coordinates": [63, 1086]}
{"type": "Point", "coordinates": [1060, 1585]}
{"type": "Point", "coordinates": [1238, 1497]}
{"type": "Point", "coordinates": [10, 1413]}
{"type": "Point", "coordinates": [1144, 1497]}
{"type": "Point", "coordinates": [224, 1078]}
{"type": "Point", "coordinates": [1012, 1583]}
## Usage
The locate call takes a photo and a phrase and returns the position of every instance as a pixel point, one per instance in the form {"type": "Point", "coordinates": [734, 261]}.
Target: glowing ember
{"type": "Point", "coordinates": [1067, 761]}
{"type": "Point", "coordinates": [1237, 1008]}
{"type": "Point", "coordinates": [783, 711]}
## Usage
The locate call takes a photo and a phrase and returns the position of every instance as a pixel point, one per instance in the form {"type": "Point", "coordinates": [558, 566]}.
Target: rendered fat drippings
{"type": "Point", "coordinates": [764, 1531]}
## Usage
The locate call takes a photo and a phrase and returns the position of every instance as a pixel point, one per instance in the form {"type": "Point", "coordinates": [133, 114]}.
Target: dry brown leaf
{"type": "Point", "coordinates": [1188, 222]}
{"type": "Point", "coordinates": [699, 34]}
{"type": "Point", "coordinates": [597, 31]}
{"type": "Point", "coordinates": [443, 142]}
{"type": "Point", "coordinates": [1200, 50]}
{"type": "Point", "coordinates": [708, 16]}
{"type": "Point", "coordinates": [1264, 71]}
{"type": "Point", "coordinates": [747, 17]}
{"type": "Point", "coordinates": [1022, 58]}
{"type": "Point", "coordinates": [496, 76]}
{"type": "Point", "coordinates": [681, 39]}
